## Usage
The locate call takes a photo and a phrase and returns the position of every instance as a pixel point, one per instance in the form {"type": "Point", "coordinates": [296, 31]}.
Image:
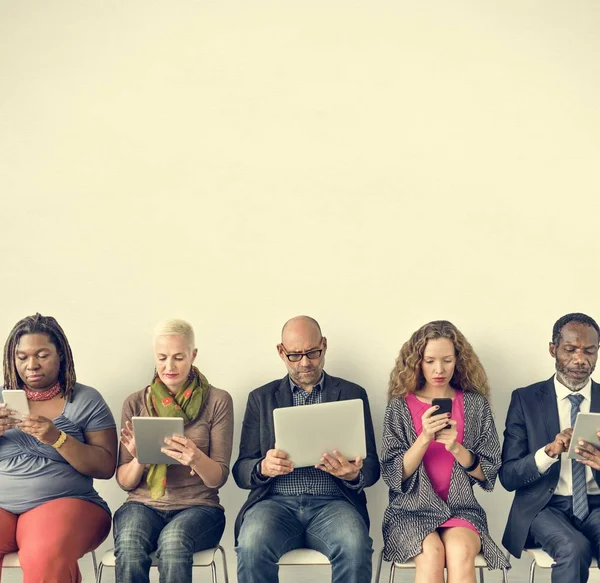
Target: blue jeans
{"type": "Point", "coordinates": [277, 524]}
{"type": "Point", "coordinates": [175, 535]}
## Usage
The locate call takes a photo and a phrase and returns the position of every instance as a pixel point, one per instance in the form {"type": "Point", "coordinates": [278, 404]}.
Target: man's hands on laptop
{"type": "Point", "coordinates": [276, 463]}
{"type": "Point", "coordinates": [337, 465]}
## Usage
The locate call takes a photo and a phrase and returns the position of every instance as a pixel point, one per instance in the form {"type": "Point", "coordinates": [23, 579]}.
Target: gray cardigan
{"type": "Point", "coordinates": [414, 509]}
{"type": "Point", "coordinates": [258, 436]}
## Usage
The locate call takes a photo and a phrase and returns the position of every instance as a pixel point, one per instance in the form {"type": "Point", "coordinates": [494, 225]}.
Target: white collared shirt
{"type": "Point", "coordinates": [543, 461]}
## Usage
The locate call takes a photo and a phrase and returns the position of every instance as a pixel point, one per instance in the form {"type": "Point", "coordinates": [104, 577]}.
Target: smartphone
{"type": "Point", "coordinates": [17, 401]}
{"type": "Point", "coordinates": [445, 406]}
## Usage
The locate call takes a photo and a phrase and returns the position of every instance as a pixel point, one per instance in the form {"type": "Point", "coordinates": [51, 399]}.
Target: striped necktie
{"type": "Point", "coordinates": [580, 501]}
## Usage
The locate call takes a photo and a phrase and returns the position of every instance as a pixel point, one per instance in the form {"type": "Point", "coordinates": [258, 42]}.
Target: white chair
{"type": "Point", "coordinates": [201, 559]}
{"type": "Point", "coordinates": [543, 560]}
{"type": "Point", "coordinates": [298, 557]}
{"type": "Point", "coordinates": [11, 561]}
{"type": "Point", "coordinates": [480, 564]}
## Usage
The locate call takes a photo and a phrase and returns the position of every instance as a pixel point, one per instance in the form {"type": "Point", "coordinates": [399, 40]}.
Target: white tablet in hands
{"type": "Point", "coordinates": [587, 425]}
{"type": "Point", "coordinates": [150, 433]}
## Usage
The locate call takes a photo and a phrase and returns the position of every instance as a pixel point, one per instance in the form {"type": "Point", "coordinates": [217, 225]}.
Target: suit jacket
{"type": "Point", "coordinates": [258, 436]}
{"type": "Point", "coordinates": [531, 423]}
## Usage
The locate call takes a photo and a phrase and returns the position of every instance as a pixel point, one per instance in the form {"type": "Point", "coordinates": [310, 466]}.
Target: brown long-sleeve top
{"type": "Point", "coordinates": [211, 431]}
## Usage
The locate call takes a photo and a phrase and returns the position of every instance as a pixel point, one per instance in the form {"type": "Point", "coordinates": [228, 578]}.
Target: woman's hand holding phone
{"type": "Point", "coordinates": [433, 422]}
{"type": "Point", "coordinates": [42, 428]}
{"type": "Point", "coordinates": [6, 420]}
{"type": "Point", "coordinates": [445, 406]}
{"type": "Point", "coordinates": [448, 437]}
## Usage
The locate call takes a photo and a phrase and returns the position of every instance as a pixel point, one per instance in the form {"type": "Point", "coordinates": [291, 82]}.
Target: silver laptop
{"type": "Point", "coordinates": [307, 432]}
{"type": "Point", "coordinates": [150, 433]}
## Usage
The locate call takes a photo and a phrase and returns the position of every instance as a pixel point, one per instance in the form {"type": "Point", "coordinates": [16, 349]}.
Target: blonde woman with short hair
{"type": "Point", "coordinates": [173, 510]}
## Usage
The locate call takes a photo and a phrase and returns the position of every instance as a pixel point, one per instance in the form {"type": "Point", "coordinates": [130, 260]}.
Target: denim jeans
{"type": "Point", "coordinates": [175, 535]}
{"type": "Point", "coordinates": [277, 524]}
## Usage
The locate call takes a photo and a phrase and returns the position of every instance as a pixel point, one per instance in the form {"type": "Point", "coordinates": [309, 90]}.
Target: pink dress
{"type": "Point", "coordinates": [438, 462]}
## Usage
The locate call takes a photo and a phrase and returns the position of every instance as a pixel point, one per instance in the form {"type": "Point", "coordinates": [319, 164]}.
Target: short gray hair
{"type": "Point", "coordinates": [176, 327]}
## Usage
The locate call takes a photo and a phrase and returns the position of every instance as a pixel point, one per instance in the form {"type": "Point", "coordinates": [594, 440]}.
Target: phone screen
{"type": "Point", "coordinates": [17, 401]}
{"type": "Point", "coordinates": [445, 406]}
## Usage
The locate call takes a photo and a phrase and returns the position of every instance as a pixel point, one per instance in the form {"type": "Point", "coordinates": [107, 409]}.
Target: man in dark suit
{"type": "Point", "coordinates": [557, 500]}
{"type": "Point", "coordinates": [321, 507]}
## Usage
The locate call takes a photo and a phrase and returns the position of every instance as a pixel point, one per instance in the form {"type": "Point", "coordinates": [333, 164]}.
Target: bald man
{"type": "Point", "coordinates": [322, 508]}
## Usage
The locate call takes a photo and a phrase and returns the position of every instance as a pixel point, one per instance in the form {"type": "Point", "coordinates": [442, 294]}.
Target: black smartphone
{"type": "Point", "coordinates": [445, 406]}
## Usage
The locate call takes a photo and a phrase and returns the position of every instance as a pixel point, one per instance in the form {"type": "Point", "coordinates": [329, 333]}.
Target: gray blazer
{"type": "Point", "coordinates": [258, 436]}
{"type": "Point", "coordinates": [415, 510]}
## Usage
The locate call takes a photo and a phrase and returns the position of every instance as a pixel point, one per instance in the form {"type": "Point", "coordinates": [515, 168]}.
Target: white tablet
{"type": "Point", "coordinates": [309, 431]}
{"type": "Point", "coordinates": [586, 427]}
{"type": "Point", "coordinates": [150, 433]}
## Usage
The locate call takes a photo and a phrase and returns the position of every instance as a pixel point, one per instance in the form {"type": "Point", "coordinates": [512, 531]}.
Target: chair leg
{"type": "Point", "coordinates": [95, 563]}
{"type": "Point", "coordinates": [213, 570]}
{"type": "Point", "coordinates": [481, 575]}
{"type": "Point", "coordinates": [532, 572]}
{"type": "Point", "coordinates": [225, 575]}
{"type": "Point", "coordinates": [99, 574]}
{"type": "Point", "coordinates": [392, 572]}
{"type": "Point", "coordinates": [379, 563]}
{"type": "Point", "coordinates": [504, 575]}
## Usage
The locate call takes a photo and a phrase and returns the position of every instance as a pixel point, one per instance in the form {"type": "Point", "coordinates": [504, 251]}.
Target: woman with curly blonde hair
{"type": "Point", "coordinates": [431, 460]}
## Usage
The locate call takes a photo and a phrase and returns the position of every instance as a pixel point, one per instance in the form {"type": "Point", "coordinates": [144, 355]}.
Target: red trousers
{"type": "Point", "coordinates": [52, 537]}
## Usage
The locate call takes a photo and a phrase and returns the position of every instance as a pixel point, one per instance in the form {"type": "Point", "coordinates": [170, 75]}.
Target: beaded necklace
{"type": "Point", "coordinates": [45, 395]}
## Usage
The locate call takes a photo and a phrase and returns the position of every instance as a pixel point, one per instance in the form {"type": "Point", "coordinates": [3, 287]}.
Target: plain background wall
{"type": "Point", "coordinates": [373, 164]}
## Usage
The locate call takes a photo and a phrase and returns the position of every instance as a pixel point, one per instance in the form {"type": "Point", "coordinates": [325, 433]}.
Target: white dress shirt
{"type": "Point", "coordinates": [543, 461]}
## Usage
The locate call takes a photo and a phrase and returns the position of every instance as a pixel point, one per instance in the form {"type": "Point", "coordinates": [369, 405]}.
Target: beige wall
{"type": "Point", "coordinates": [374, 164]}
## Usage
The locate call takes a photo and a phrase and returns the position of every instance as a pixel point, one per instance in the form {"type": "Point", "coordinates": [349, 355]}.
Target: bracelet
{"type": "Point", "coordinates": [61, 439]}
{"type": "Point", "coordinates": [473, 465]}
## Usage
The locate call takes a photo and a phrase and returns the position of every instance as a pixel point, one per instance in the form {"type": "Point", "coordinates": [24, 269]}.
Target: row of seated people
{"type": "Point", "coordinates": [51, 513]}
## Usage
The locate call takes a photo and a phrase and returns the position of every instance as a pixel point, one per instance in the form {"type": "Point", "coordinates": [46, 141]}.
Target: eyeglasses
{"type": "Point", "coordinates": [298, 356]}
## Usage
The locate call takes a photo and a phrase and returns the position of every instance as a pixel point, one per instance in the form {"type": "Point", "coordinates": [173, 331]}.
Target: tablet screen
{"type": "Point", "coordinates": [586, 427]}
{"type": "Point", "coordinates": [150, 433]}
